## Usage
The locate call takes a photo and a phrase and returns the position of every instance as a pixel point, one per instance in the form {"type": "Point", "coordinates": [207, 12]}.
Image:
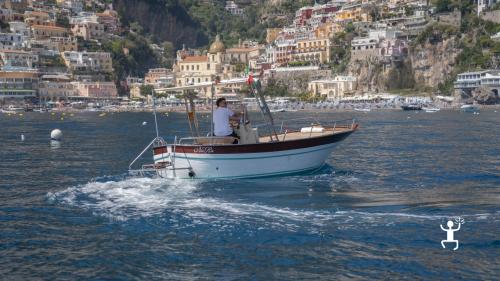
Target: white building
{"type": "Point", "coordinates": [233, 8]}
{"type": "Point", "coordinates": [75, 6]}
{"type": "Point", "coordinates": [379, 43]}
{"type": "Point", "coordinates": [472, 80]}
{"type": "Point", "coordinates": [333, 89]}
{"type": "Point", "coordinates": [483, 4]}
{"type": "Point", "coordinates": [364, 47]}
{"type": "Point", "coordinates": [5, 14]}
{"type": "Point", "coordinates": [20, 27]}
{"type": "Point", "coordinates": [496, 37]}
{"type": "Point", "coordinates": [83, 16]}
{"type": "Point", "coordinates": [11, 41]}
{"type": "Point", "coordinates": [93, 61]}
{"type": "Point", "coordinates": [17, 59]}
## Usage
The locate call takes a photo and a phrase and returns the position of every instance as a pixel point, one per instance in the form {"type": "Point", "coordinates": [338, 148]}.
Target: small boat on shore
{"type": "Point", "coordinates": [469, 108]}
{"type": "Point", "coordinates": [431, 109]}
{"type": "Point", "coordinates": [11, 109]}
{"type": "Point", "coordinates": [411, 106]}
{"type": "Point", "coordinates": [296, 149]}
{"type": "Point", "coordinates": [278, 110]}
{"type": "Point", "coordinates": [362, 109]}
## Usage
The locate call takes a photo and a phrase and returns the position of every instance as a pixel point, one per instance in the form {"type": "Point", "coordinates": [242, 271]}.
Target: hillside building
{"type": "Point", "coordinates": [333, 89]}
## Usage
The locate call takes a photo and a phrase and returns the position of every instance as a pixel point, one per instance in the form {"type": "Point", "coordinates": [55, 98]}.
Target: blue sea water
{"type": "Point", "coordinates": [69, 211]}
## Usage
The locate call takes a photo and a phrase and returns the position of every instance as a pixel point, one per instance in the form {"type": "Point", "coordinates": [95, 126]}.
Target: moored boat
{"type": "Point", "coordinates": [411, 106]}
{"type": "Point", "coordinates": [469, 108]}
{"type": "Point", "coordinates": [278, 110]}
{"type": "Point", "coordinates": [11, 109]}
{"type": "Point", "coordinates": [431, 109]}
{"type": "Point", "coordinates": [362, 109]}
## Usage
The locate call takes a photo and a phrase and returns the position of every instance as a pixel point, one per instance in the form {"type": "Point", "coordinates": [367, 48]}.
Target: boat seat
{"type": "Point", "coordinates": [215, 140]}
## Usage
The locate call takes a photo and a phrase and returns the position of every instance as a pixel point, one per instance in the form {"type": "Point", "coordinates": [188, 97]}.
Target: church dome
{"type": "Point", "coordinates": [217, 46]}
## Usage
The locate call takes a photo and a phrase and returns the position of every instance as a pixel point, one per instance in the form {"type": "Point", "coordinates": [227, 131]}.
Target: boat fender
{"type": "Point", "coordinates": [191, 174]}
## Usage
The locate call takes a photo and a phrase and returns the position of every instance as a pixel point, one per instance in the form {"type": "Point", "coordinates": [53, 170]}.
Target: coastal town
{"type": "Point", "coordinates": [56, 54]}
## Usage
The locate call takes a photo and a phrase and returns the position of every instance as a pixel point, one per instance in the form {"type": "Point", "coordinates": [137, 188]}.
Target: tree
{"type": "Point", "coordinates": [146, 90]}
{"type": "Point", "coordinates": [275, 88]}
{"type": "Point", "coordinates": [168, 49]}
{"type": "Point", "coordinates": [136, 27]}
{"type": "Point", "coordinates": [4, 25]}
{"type": "Point", "coordinates": [350, 28]}
{"type": "Point", "coordinates": [442, 6]}
{"type": "Point", "coordinates": [62, 21]}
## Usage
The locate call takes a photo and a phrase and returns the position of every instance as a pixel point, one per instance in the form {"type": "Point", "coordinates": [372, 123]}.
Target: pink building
{"type": "Point", "coordinates": [99, 90]}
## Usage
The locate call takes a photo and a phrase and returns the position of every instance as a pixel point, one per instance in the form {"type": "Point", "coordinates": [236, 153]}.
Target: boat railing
{"type": "Point", "coordinates": [158, 141]}
{"type": "Point", "coordinates": [298, 123]}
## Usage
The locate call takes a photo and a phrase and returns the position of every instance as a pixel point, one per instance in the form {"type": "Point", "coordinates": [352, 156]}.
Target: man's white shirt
{"type": "Point", "coordinates": [221, 121]}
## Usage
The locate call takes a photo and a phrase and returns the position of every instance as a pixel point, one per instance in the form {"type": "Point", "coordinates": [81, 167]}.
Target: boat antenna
{"type": "Point", "coordinates": [217, 79]}
{"type": "Point", "coordinates": [154, 112]}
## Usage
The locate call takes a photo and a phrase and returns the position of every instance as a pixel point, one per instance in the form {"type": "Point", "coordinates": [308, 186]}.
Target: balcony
{"type": "Point", "coordinates": [464, 85]}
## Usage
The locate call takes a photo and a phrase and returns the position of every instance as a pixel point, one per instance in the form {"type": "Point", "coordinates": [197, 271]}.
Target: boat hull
{"type": "Point", "coordinates": [469, 108]}
{"type": "Point", "coordinates": [246, 161]}
{"type": "Point", "coordinates": [411, 107]}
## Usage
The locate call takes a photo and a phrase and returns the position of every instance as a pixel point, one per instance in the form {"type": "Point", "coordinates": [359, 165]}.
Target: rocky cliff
{"type": "Point", "coordinates": [164, 20]}
{"type": "Point", "coordinates": [424, 69]}
{"type": "Point", "coordinates": [433, 63]}
{"type": "Point", "coordinates": [369, 74]}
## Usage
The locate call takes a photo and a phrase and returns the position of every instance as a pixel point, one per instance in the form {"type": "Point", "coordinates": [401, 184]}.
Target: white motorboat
{"type": "Point", "coordinates": [469, 108]}
{"type": "Point", "coordinates": [431, 109]}
{"type": "Point", "coordinates": [278, 110]}
{"type": "Point", "coordinates": [11, 109]}
{"type": "Point", "coordinates": [288, 151]}
{"type": "Point", "coordinates": [360, 109]}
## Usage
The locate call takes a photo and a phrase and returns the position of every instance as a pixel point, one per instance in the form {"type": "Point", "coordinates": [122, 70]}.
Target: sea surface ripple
{"type": "Point", "coordinates": [70, 211]}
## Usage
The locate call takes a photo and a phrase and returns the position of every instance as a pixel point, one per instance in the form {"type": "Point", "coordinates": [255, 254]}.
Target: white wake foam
{"type": "Point", "coordinates": [178, 200]}
{"type": "Point", "coordinates": [128, 198]}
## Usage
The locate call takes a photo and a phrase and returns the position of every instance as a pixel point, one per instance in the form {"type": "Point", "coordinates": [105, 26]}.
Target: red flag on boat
{"type": "Point", "coordinates": [250, 79]}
